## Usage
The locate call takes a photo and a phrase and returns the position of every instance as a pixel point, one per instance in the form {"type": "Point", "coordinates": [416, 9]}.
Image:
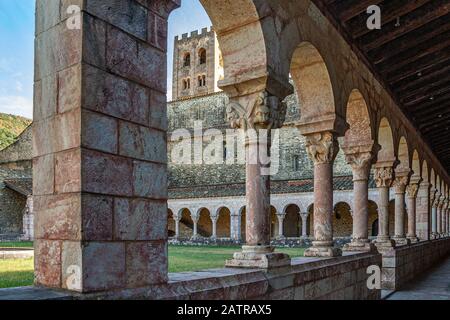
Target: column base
{"type": "Point", "coordinates": [384, 245]}
{"type": "Point", "coordinates": [323, 252]}
{"type": "Point", "coordinates": [434, 236]}
{"type": "Point", "coordinates": [280, 238]}
{"type": "Point", "coordinates": [413, 239]}
{"type": "Point", "coordinates": [401, 241]}
{"type": "Point", "coordinates": [359, 246]}
{"type": "Point", "coordinates": [258, 257]}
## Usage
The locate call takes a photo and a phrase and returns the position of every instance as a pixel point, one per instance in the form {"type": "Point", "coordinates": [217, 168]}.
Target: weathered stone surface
{"type": "Point", "coordinates": [97, 217]}
{"type": "Point", "coordinates": [69, 89]}
{"type": "Point", "coordinates": [143, 174]}
{"type": "Point", "coordinates": [140, 220]}
{"type": "Point", "coordinates": [45, 98]}
{"type": "Point", "coordinates": [146, 263]}
{"type": "Point", "coordinates": [48, 263]}
{"type": "Point", "coordinates": [142, 143]}
{"type": "Point", "coordinates": [68, 171]}
{"type": "Point", "coordinates": [100, 132]}
{"type": "Point", "coordinates": [106, 174]}
{"type": "Point", "coordinates": [43, 175]}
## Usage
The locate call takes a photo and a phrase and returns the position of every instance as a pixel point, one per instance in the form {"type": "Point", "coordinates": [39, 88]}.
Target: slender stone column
{"type": "Point", "coordinates": [400, 182]}
{"type": "Point", "coordinates": [237, 226]}
{"type": "Point", "coordinates": [280, 218]}
{"type": "Point", "coordinates": [360, 163]}
{"type": "Point", "coordinates": [411, 192]}
{"type": "Point", "coordinates": [322, 149]}
{"type": "Point", "coordinates": [177, 219]}
{"type": "Point", "coordinates": [384, 176]}
{"type": "Point", "coordinates": [214, 219]}
{"type": "Point", "coordinates": [438, 216]}
{"type": "Point", "coordinates": [195, 219]}
{"type": "Point", "coordinates": [423, 211]}
{"type": "Point", "coordinates": [434, 204]}
{"type": "Point", "coordinates": [304, 217]}
{"type": "Point", "coordinates": [262, 113]}
{"type": "Point", "coordinates": [443, 218]}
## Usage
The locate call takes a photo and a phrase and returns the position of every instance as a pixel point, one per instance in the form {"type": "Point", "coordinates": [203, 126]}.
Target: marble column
{"type": "Point", "coordinates": [411, 195]}
{"type": "Point", "coordinates": [195, 219]}
{"type": "Point", "coordinates": [177, 226]}
{"type": "Point", "coordinates": [280, 218]}
{"type": "Point", "coordinates": [384, 176]}
{"type": "Point", "coordinates": [423, 211]}
{"type": "Point", "coordinates": [434, 205]}
{"type": "Point", "coordinates": [304, 217]}
{"type": "Point", "coordinates": [322, 149]}
{"type": "Point", "coordinates": [257, 114]}
{"type": "Point", "coordinates": [439, 216]}
{"type": "Point", "coordinates": [214, 226]}
{"type": "Point", "coordinates": [444, 217]}
{"type": "Point", "coordinates": [361, 163]}
{"type": "Point", "coordinates": [400, 182]}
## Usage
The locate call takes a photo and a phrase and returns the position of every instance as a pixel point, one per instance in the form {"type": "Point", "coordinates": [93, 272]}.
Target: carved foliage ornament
{"type": "Point", "coordinates": [322, 147]}
{"type": "Point", "coordinates": [266, 112]}
{"type": "Point", "coordinates": [412, 190]}
{"type": "Point", "coordinates": [360, 163]}
{"type": "Point", "coordinates": [384, 177]}
{"type": "Point", "coordinates": [400, 183]}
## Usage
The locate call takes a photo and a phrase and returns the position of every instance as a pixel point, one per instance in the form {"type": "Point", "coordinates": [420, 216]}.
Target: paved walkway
{"type": "Point", "coordinates": [435, 285]}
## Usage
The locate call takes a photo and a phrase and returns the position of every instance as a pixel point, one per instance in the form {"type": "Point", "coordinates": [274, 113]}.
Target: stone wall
{"type": "Point", "coordinates": [406, 263]}
{"type": "Point", "coordinates": [210, 110]}
{"type": "Point", "coordinates": [15, 162]}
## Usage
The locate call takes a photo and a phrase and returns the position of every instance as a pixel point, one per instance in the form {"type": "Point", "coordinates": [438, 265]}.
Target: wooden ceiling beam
{"type": "Point", "coordinates": [409, 56]}
{"type": "Point", "coordinates": [390, 11]}
{"type": "Point", "coordinates": [349, 9]}
{"type": "Point", "coordinates": [421, 35]}
{"type": "Point", "coordinates": [426, 89]}
{"type": "Point", "coordinates": [419, 81]}
{"type": "Point", "coordinates": [412, 21]}
{"type": "Point", "coordinates": [428, 94]}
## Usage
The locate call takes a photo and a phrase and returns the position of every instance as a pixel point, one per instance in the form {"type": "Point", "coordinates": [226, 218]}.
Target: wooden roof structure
{"type": "Point", "coordinates": [410, 56]}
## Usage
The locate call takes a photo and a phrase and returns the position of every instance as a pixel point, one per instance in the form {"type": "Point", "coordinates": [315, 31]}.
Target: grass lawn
{"type": "Point", "coordinates": [22, 244]}
{"type": "Point", "coordinates": [19, 272]}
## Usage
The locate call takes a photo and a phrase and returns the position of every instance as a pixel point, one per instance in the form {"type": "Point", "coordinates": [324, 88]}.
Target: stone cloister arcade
{"type": "Point", "coordinates": [99, 134]}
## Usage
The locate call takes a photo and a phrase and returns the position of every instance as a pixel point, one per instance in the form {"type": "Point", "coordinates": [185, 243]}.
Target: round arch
{"type": "Point", "coordinates": [223, 222]}
{"type": "Point", "coordinates": [386, 141]}
{"type": "Point", "coordinates": [204, 226]}
{"type": "Point", "coordinates": [342, 220]}
{"type": "Point", "coordinates": [403, 154]}
{"type": "Point", "coordinates": [360, 126]}
{"type": "Point", "coordinates": [292, 224]}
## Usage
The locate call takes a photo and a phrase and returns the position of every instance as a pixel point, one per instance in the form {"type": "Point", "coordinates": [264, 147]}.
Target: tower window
{"type": "Point", "coordinates": [202, 56]}
{"type": "Point", "coordinates": [187, 60]}
{"type": "Point", "coordinates": [186, 84]}
{"type": "Point", "coordinates": [202, 81]}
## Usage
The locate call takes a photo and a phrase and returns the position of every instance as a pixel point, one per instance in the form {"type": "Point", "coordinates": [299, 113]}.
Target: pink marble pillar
{"type": "Point", "coordinates": [411, 194]}
{"type": "Point", "coordinates": [322, 149]}
{"type": "Point", "coordinates": [384, 175]}
{"type": "Point", "coordinates": [423, 212]}
{"type": "Point", "coordinates": [360, 163]}
{"type": "Point", "coordinates": [400, 183]}
{"type": "Point", "coordinates": [263, 112]}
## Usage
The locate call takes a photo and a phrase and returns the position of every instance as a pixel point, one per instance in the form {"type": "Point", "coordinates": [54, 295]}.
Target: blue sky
{"type": "Point", "coordinates": [17, 41]}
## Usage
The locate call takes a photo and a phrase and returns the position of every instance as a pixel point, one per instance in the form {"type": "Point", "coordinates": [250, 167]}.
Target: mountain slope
{"type": "Point", "coordinates": [11, 127]}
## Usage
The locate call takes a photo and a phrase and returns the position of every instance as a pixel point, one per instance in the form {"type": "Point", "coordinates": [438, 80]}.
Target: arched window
{"type": "Point", "coordinates": [202, 81]}
{"type": "Point", "coordinates": [202, 56]}
{"type": "Point", "coordinates": [187, 60]}
{"type": "Point", "coordinates": [186, 84]}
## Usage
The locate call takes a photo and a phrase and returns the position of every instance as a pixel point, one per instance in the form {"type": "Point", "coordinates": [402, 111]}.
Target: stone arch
{"type": "Point", "coordinates": [403, 154]}
{"type": "Point", "coordinates": [204, 227]}
{"type": "Point", "coordinates": [433, 178]}
{"type": "Point", "coordinates": [292, 221]}
{"type": "Point", "coordinates": [360, 126]}
{"type": "Point", "coordinates": [236, 23]}
{"type": "Point", "coordinates": [415, 165]}
{"type": "Point", "coordinates": [223, 222]}
{"type": "Point", "coordinates": [386, 141]}
{"type": "Point", "coordinates": [314, 89]}
{"type": "Point", "coordinates": [342, 220]}
{"type": "Point", "coordinates": [186, 223]}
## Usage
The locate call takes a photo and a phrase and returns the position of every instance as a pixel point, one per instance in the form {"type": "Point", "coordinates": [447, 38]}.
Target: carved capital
{"type": "Point", "coordinates": [412, 190]}
{"type": "Point", "coordinates": [360, 163]}
{"type": "Point", "coordinates": [400, 183]}
{"type": "Point", "coordinates": [256, 111]}
{"type": "Point", "coordinates": [383, 177]}
{"type": "Point", "coordinates": [441, 202]}
{"type": "Point", "coordinates": [322, 147]}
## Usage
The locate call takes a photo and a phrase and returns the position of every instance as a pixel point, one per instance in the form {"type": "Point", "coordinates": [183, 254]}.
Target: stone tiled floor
{"type": "Point", "coordinates": [435, 285]}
